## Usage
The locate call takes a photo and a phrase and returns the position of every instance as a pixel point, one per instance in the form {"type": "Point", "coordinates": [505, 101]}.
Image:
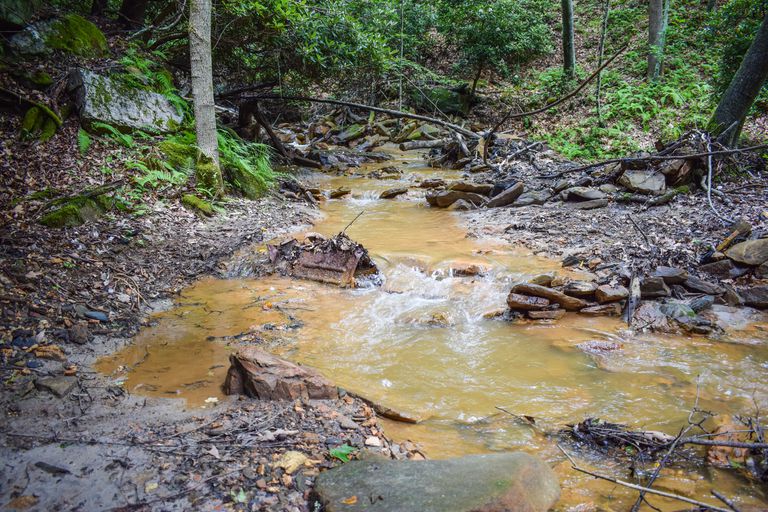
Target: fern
{"type": "Point", "coordinates": [123, 139]}
{"type": "Point", "coordinates": [83, 141]}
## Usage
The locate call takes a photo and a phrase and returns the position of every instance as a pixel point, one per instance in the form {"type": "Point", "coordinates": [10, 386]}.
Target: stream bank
{"type": "Point", "coordinates": [421, 344]}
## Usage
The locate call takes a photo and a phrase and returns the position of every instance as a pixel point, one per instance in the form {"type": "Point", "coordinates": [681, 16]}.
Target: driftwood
{"type": "Point", "coordinates": [277, 143]}
{"type": "Point", "coordinates": [424, 144]}
{"type": "Point", "coordinates": [393, 113]}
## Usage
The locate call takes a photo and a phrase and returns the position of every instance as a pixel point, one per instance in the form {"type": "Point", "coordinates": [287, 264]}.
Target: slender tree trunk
{"type": "Point", "coordinates": [201, 71]}
{"type": "Point", "coordinates": [735, 103]}
{"type": "Point", "coordinates": [600, 50]}
{"type": "Point", "coordinates": [477, 78]}
{"type": "Point", "coordinates": [658, 16]}
{"type": "Point", "coordinates": [569, 47]}
{"type": "Point", "coordinates": [132, 12]}
{"type": "Point", "coordinates": [98, 7]}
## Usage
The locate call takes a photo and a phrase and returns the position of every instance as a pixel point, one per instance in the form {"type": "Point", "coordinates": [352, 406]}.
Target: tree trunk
{"type": "Point", "coordinates": [98, 7]}
{"type": "Point", "coordinates": [658, 16]}
{"type": "Point", "coordinates": [743, 89]}
{"type": "Point", "coordinates": [569, 48]}
{"type": "Point", "coordinates": [201, 71]}
{"type": "Point", "coordinates": [711, 5]}
{"type": "Point", "coordinates": [132, 12]}
{"type": "Point", "coordinates": [477, 77]}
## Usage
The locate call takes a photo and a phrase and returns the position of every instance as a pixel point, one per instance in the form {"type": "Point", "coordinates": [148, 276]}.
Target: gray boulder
{"type": "Point", "coordinates": [507, 197]}
{"type": "Point", "coordinates": [480, 483]}
{"type": "Point", "coordinates": [644, 182]}
{"type": "Point", "coordinates": [102, 99]}
{"type": "Point", "coordinates": [757, 296]}
{"type": "Point", "coordinates": [537, 197]}
{"type": "Point", "coordinates": [581, 194]}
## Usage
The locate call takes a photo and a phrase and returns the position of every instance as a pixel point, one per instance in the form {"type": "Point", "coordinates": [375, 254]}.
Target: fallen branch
{"type": "Point", "coordinates": [298, 160]}
{"type": "Point", "coordinates": [551, 104]}
{"type": "Point", "coordinates": [648, 490]}
{"type": "Point", "coordinates": [424, 144]}
{"type": "Point", "coordinates": [393, 113]}
{"type": "Point", "coordinates": [653, 158]}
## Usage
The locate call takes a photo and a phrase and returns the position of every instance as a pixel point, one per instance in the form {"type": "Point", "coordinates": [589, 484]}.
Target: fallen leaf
{"type": "Point", "coordinates": [349, 501]}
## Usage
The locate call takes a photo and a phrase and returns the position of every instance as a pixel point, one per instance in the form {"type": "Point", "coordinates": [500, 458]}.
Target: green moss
{"type": "Point", "coordinates": [247, 183]}
{"type": "Point", "coordinates": [179, 155]}
{"type": "Point", "coordinates": [76, 35]}
{"type": "Point", "coordinates": [32, 122]}
{"type": "Point", "coordinates": [193, 202]}
{"type": "Point", "coordinates": [208, 175]}
{"type": "Point", "coordinates": [41, 79]}
{"type": "Point", "coordinates": [77, 211]}
{"type": "Point", "coordinates": [48, 129]}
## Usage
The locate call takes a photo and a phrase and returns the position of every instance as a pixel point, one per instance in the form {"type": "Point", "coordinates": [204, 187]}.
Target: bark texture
{"type": "Point", "coordinates": [208, 174]}
{"type": "Point", "coordinates": [743, 89]}
{"type": "Point", "coordinates": [569, 47]}
{"type": "Point", "coordinates": [658, 16]}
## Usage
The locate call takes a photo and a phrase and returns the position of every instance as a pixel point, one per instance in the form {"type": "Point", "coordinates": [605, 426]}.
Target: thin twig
{"type": "Point", "coordinates": [729, 503]}
{"type": "Point", "coordinates": [641, 488]}
{"type": "Point", "coordinates": [353, 221]}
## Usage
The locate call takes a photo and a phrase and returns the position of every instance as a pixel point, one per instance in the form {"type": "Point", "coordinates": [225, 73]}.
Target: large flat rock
{"type": "Point", "coordinates": [100, 98]}
{"type": "Point", "coordinates": [478, 483]}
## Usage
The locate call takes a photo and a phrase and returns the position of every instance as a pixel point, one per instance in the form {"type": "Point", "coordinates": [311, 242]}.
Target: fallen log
{"type": "Point", "coordinates": [423, 144]}
{"type": "Point", "coordinates": [393, 113]}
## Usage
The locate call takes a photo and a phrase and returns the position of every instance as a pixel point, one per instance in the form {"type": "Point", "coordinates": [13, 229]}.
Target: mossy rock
{"type": "Point", "coordinates": [246, 183]}
{"type": "Point", "coordinates": [38, 124]}
{"type": "Point", "coordinates": [17, 13]}
{"type": "Point", "coordinates": [196, 204]}
{"type": "Point", "coordinates": [76, 35]}
{"type": "Point", "coordinates": [449, 101]}
{"type": "Point", "coordinates": [180, 156]}
{"type": "Point", "coordinates": [77, 211]}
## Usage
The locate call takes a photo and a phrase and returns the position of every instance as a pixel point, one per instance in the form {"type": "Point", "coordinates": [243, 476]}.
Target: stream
{"type": "Point", "coordinates": [422, 344]}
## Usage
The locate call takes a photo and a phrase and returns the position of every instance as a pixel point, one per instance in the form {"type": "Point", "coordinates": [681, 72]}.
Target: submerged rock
{"type": "Point", "coordinates": [447, 198]}
{"type": "Point", "coordinates": [520, 302]}
{"type": "Point", "coordinates": [393, 192]}
{"type": "Point", "coordinates": [479, 483]}
{"type": "Point", "coordinates": [261, 375]}
{"type": "Point", "coordinates": [105, 100]}
{"type": "Point", "coordinates": [549, 314]}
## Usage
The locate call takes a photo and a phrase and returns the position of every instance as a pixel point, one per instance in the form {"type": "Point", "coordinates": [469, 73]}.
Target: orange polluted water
{"type": "Point", "coordinates": [420, 344]}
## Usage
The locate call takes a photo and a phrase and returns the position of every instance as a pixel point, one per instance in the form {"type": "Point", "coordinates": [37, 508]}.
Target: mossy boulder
{"type": "Point", "coordinates": [77, 211]}
{"type": "Point", "coordinates": [17, 13]}
{"type": "Point", "coordinates": [101, 99]}
{"type": "Point", "coordinates": [456, 101]}
{"type": "Point", "coordinates": [247, 183]}
{"type": "Point", "coordinates": [71, 33]}
{"type": "Point", "coordinates": [196, 204]}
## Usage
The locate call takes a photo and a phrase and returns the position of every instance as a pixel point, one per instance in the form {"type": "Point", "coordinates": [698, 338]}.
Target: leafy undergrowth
{"type": "Point", "coordinates": [634, 112]}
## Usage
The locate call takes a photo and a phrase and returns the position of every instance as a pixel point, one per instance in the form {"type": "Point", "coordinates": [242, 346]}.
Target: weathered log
{"type": "Point", "coordinates": [423, 144]}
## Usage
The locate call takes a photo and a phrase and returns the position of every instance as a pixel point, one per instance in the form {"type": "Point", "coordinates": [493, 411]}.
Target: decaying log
{"type": "Point", "coordinates": [424, 144]}
{"type": "Point", "coordinates": [393, 113]}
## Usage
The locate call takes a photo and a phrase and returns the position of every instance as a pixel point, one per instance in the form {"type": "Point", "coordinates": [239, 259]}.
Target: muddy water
{"type": "Point", "coordinates": [420, 344]}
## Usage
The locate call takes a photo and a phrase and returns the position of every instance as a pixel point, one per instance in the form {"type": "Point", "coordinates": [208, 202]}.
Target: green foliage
{"type": "Point", "coordinates": [38, 122]}
{"type": "Point", "coordinates": [342, 452]}
{"type": "Point", "coordinates": [143, 72]}
{"type": "Point", "coordinates": [156, 173]}
{"type": "Point", "coordinates": [500, 34]}
{"type": "Point", "coordinates": [246, 162]}
{"type": "Point", "coordinates": [76, 35]}
{"type": "Point", "coordinates": [124, 139]}
{"type": "Point", "coordinates": [194, 203]}
{"type": "Point", "coordinates": [83, 141]}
